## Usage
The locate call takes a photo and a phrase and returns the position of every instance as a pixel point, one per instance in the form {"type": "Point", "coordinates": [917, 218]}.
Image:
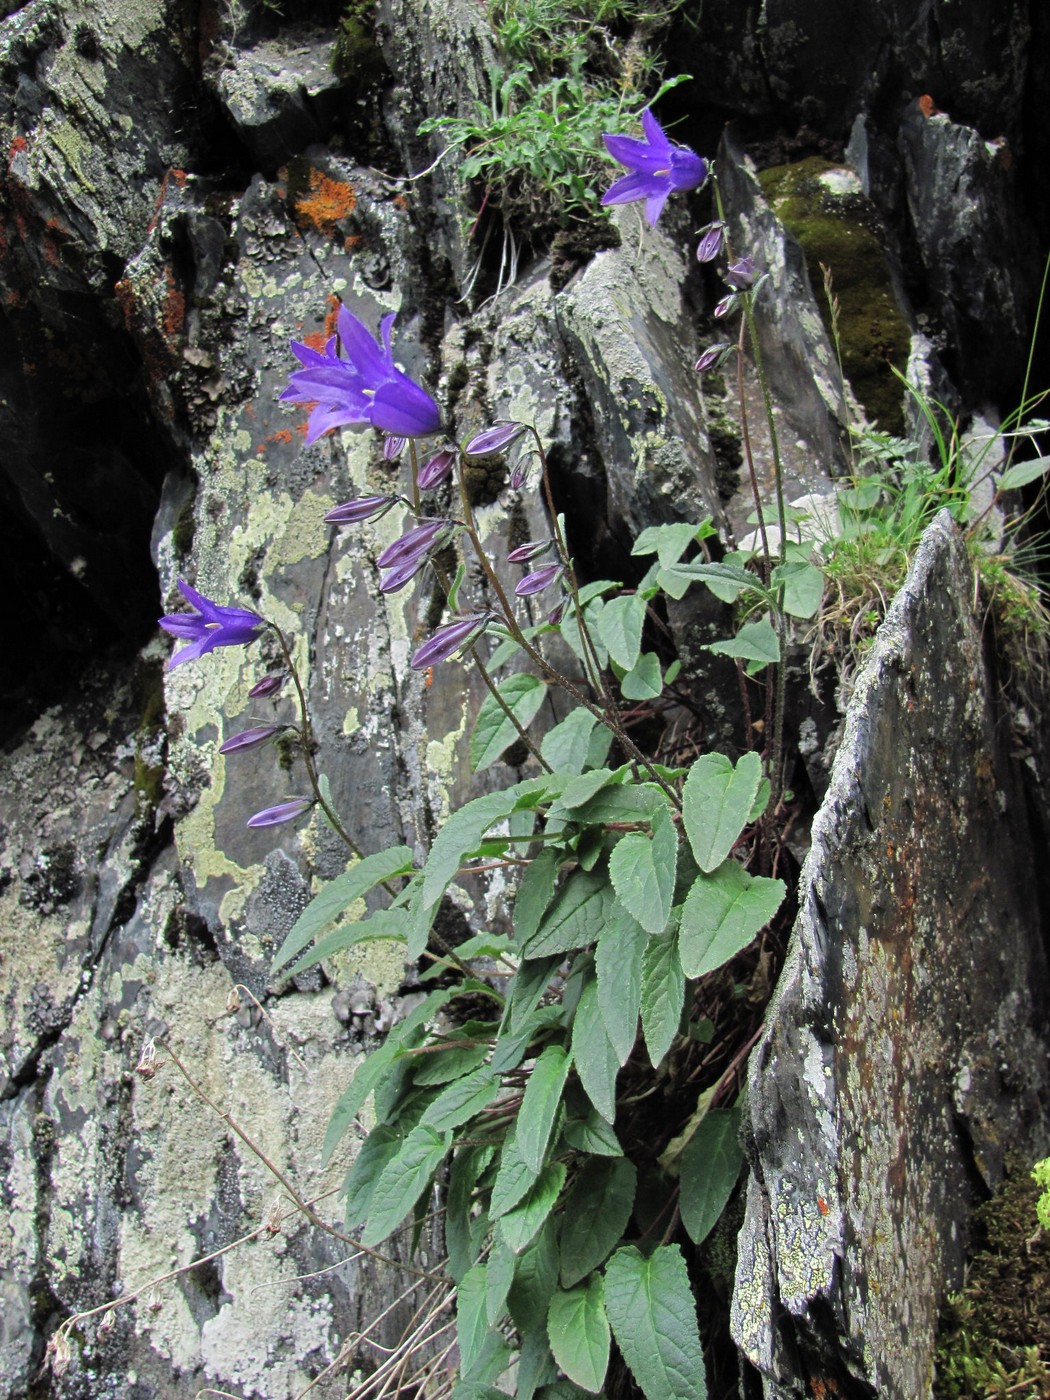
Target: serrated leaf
{"type": "Point", "coordinates": [459, 1101]}
{"type": "Point", "coordinates": [621, 624]}
{"type": "Point", "coordinates": [513, 1179]}
{"type": "Point", "coordinates": [535, 1363]}
{"type": "Point", "coordinates": [520, 1224]}
{"type": "Point", "coordinates": [534, 1280]}
{"type": "Point", "coordinates": [575, 918]}
{"type": "Point", "coordinates": [618, 962]}
{"type": "Point", "coordinates": [650, 1305]}
{"type": "Point", "coordinates": [570, 631]}
{"type": "Point", "coordinates": [663, 994]}
{"type": "Point", "coordinates": [1023, 473]}
{"type": "Point", "coordinates": [567, 745]}
{"type": "Point", "coordinates": [493, 730]}
{"type": "Point", "coordinates": [579, 1333]}
{"type": "Point", "coordinates": [643, 681]}
{"type": "Point", "coordinates": [803, 587]}
{"type": "Point", "coordinates": [462, 834]}
{"type": "Point", "coordinates": [667, 542]}
{"type": "Point", "coordinates": [339, 894]}
{"type": "Point", "coordinates": [710, 1165]}
{"type": "Point", "coordinates": [595, 1216]}
{"type": "Point", "coordinates": [727, 579]}
{"type": "Point", "coordinates": [404, 1180]}
{"type": "Point", "coordinates": [500, 1276]}
{"type": "Point", "coordinates": [442, 1066]}
{"type": "Point", "coordinates": [592, 1134]}
{"type": "Point", "coordinates": [540, 1104]}
{"type": "Point", "coordinates": [716, 802]}
{"type": "Point", "coordinates": [755, 641]}
{"type": "Point", "coordinates": [643, 872]}
{"type": "Point", "coordinates": [582, 788]}
{"type": "Point", "coordinates": [377, 1065]}
{"type": "Point", "coordinates": [593, 1054]}
{"type": "Point", "coordinates": [722, 914]}
{"type": "Point", "coordinates": [535, 892]}
{"type": "Point", "coordinates": [379, 1148]}
{"type": "Point", "coordinates": [621, 802]}
{"type": "Point", "coordinates": [472, 1325]}
{"type": "Point", "coordinates": [467, 1166]}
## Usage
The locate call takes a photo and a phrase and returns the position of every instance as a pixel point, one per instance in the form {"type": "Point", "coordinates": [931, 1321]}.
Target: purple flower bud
{"type": "Point", "coordinates": [726, 305]}
{"type": "Point", "coordinates": [712, 356]}
{"type": "Point", "coordinates": [393, 448]}
{"type": "Point", "coordinates": [496, 439]}
{"type": "Point", "coordinates": [540, 579]}
{"type": "Point", "coordinates": [558, 612]}
{"type": "Point", "coordinates": [364, 508]}
{"type": "Point", "coordinates": [250, 738]}
{"type": "Point", "coordinates": [449, 639]}
{"type": "Point", "coordinates": [741, 274]}
{"type": "Point", "coordinates": [287, 811]}
{"type": "Point", "coordinates": [395, 578]}
{"type": "Point", "coordinates": [269, 685]}
{"type": "Point", "coordinates": [525, 552]}
{"type": "Point", "coordinates": [412, 545]}
{"type": "Point", "coordinates": [433, 472]}
{"type": "Point", "coordinates": [712, 239]}
{"type": "Point", "coordinates": [520, 475]}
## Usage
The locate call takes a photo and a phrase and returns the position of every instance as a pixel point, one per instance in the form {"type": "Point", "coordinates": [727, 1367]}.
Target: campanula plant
{"type": "Point", "coordinates": [656, 168]}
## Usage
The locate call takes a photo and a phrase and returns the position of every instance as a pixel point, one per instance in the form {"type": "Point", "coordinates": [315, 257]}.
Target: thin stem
{"type": "Point", "coordinates": [505, 707]}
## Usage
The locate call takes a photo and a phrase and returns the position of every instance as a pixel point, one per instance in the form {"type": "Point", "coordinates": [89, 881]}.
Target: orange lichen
{"type": "Point", "coordinates": [174, 306]}
{"type": "Point", "coordinates": [125, 294]}
{"type": "Point", "coordinates": [352, 242]}
{"type": "Point", "coordinates": [315, 340]}
{"type": "Point", "coordinates": [325, 203]}
{"type": "Point", "coordinates": [18, 144]}
{"type": "Point", "coordinates": [928, 107]}
{"type": "Point", "coordinates": [401, 201]}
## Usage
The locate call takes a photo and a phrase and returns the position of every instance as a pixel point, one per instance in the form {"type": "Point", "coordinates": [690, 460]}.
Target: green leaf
{"type": "Point", "coordinates": [384, 923]}
{"type": "Point", "coordinates": [535, 892]}
{"type": "Point", "coordinates": [667, 542]}
{"type": "Point", "coordinates": [621, 626]}
{"type": "Point", "coordinates": [462, 1099]}
{"type": "Point", "coordinates": [593, 1054]}
{"type": "Point", "coordinates": [803, 587]}
{"type": "Point", "coordinates": [650, 1305]}
{"type": "Point", "coordinates": [618, 961]}
{"type": "Point", "coordinates": [579, 1334]}
{"type": "Point", "coordinates": [535, 1279]}
{"type": "Point", "coordinates": [710, 1165]}
{"type": "Point", "coordinates": [570, 631]}
{"type": "Point", "coordinates": [535, 1363]}
{"type": "Point", "coordinates": [567, 745]}
{"type": "Point", "coordinates": [493, 730]}
{"type": "Point", "coordinates": [377, 1065]}
{"type": "Point", "coordinates": [339, 894]}
{"type": "Point", "coordinates": [521, 1224]}
{"type": "Point", "coordinates": [404, 1180]}
{"type": "Point", "coordinates": [755, 641]}
{"type": "Point", "coordinates": [595, 1216]}
{"type": "Point", "coordinates": [379, 1148]}
{"type": "Point", "coordinates": [472, 1324]}
{"type": "Point", "coordinates": [513, 1179]}
{"type": "Point", "coordinates": [467, 1166]}
{"type": "Point", "coordinates": [727, 579]}
{"type": "Point", "coordinates": [1023, 473]}
{"type": "Point", "coordinates": [442, 1066]}
{"type": "Point", "coordinates": [721, 915]}
{"type": "Point", "coordinates": [716, 802]}
{"type": "Point", "coordinates": [463, 832]}
{"type": "Point", "coordinates": [621, 802]}
{"type": "Point", "coordinates": [643, 681]}
{"type": "Point", "coordinates": [592, 1134]}
{"type": "Point", "coordinates": [643, 870]}
{"type": "Point", "coordinates": [581, 789]}
{"type": "Point", "coordinates": [540, 1104]}
{"type": "Point", "coordinates": [501, 1264]}
{"type": "Point", "coordinates": [663, 994]}
{"type": "Point", "coordinates": [576, 918]}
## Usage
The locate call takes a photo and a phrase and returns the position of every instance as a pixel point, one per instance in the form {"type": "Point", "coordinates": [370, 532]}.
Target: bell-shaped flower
{"type": "Point", "coordinates": [712, 240]}
{"type": "Point", "coordinates": [415, 543]}
{"type": "Point", "coordinates": [741, 274]}
{"type": "Point", "coordinates": [532, 550]}
{"type": "Point", "coordinates": [712, 357]}
{"type": "Point", "coordinates": [210, 625]}
{"type": "Point", "coordinates": [354, 383]}
{"type": "Point", "coordinates": [393, 448]}
{"type": "Point", "coordinates": [656, 168]}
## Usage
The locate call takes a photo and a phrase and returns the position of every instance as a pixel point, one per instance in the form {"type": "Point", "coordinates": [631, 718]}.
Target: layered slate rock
{"type": "Point", "coordinates": [905, 1047]}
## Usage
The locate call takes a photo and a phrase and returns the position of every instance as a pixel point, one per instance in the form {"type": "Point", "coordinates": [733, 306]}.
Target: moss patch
{"type": "Point", "coordinates": [836, 225]}
{"type": "Point", "coordinates": [995, 1335]}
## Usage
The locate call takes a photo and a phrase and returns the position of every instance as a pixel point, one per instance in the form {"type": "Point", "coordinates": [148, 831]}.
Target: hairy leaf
{"type": "Point", "coordinates": [500, 1276]}
{"type": "Point", "coordinates": [755, 641]}
{"type": "Point", "coordinates": [462, 834]}
{"type": "Point", "coordinates": [663, 994]}
{"type": "Point", "coordinates": [384, 923]}
{"type": "Point", "coordinates": [493, 730]}
{"type": "Point", "coordinates": [721, 915]}
{"type": "Point", "coordinates": [668, 542]}
{"type": "Point", "coordinates": [472, 1324]}
{"type": "Point", "coordinates": [643, 681]}
{"type": "Point", "coordinates": [535, 892]}
{"type": "Point", "coordinates": [462, 1099]}
{"type": "Point", "coordinates": [643, 872]}
{"type": "Point", "coordinates": [716, 803]}
{"type": "Point", "coordinates": [520, 1224]}
{"type": "Point", "coordinates": [621, 626]}
{"type": "Point", "coordinates": [710, 1165]}
{"type": "Point", "coordinates": [579, 1333]}
{"type": "Point", "coordinates": [534, 1281]}
{"type": "Point", "coordinates": [513, 1179]}
{"type": "Point", "coordinates": [650, 1305]}
{"type": "Point", "coordinates": [595, 1216]}
{"type": "Point", "coordinates": [618, 961]}
{"type": "Point", "coordinates": [592, 1134]}
{"type": "Point", "coordinates": [593, 1054]}
{"type": "Point", "coordinates": [467, 1166]}
{"type": "Point", "coordinates": [540, 1104]}
{"type": "Point", "coordinates": [379, 1148]}
{"type": "Point", "coordinates": [576, 917]}
{"type": "Point", "coordinates": [566, 747]}
{"type": "Point", "coordinates": [404, 1180]}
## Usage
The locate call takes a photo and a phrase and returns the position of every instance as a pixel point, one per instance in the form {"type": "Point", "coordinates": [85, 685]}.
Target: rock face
{"type": "Point", "coordinates": [184, 191]}
{"type": "Point", "coordinates": [904, 1050]}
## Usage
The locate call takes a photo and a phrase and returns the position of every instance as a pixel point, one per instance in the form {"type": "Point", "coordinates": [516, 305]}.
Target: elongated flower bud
{"type": "Point", "coordinates": [726, 305]}
{"type": "Point", "coordinates": [525, 552]}
{"type": "Point", "coordinates": [519, 476]}
{"type": "Point", "coordinates": [712, 356]}
{"type": "Point", "coordinates": [741, 274]}
{"type": "Point", "coordinates": [712, 239]}
{"type": "Point", "coordinates": [269, 685]}
{"type": "Point", "coordinates": [287, 811]}
{"type": "Point", "coordinates": [364, 508]}
{"type": "Point", "coordinates": [411, 545]}
{"type": "Point", "coordinates": [393, 448]}
{"type": "Point", "coordinates": [496, 439]}
{"type": "Point", "coordinates": [436, 470]}
{"type": "Point", "coordinates": [396, 578]}
{"type": "Point", "coordinates": [449, 639]}
{"type": "Point", "coordinates": [251, 738]}
{"type": "Point", "coordinates": [539, 579]}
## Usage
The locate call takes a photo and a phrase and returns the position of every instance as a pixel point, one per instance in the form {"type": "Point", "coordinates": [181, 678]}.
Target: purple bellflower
{"type": "Point", "coordinates": [436, 469]}
{"type": "Point", "coordinates": [532, 550]}
{"type": "Point", "coordinates": [355, 383]}
{"type": "Point", "coordinates": [417, 542]}
{"type": "Point", "coordinates": [287, 811]}
{"type": "Point", "coordinates": [713, 356]}
{"type": "Point", "coordinates": [495, 439]}
{"type": "Point", "coordinates": [363, 508]}
{"type": "Point", "coordinates": [712, 240]}
{"type": "Point", "coordinates": [656, 168]}
{"type": "Point", "coordinates": [251, 738]}
{"type": "Point", "coordinates": [741, 274]}
{"type": "Point", "coordinates": [447, 640]}
{"type": "Point", "coordinates": [539, 579]}
{"type": "Point", "coordinates": [269, 685]}
{"type": "Point", "coordinates": [209, 626]}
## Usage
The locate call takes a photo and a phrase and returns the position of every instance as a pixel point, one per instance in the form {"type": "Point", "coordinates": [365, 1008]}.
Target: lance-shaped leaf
{"type": "Point", "coordinates": [404, 1180]}
{"type": "Point", "coordinates": [493, 730]}
{"type": "Point", "coordinates": [521, 1224]}
{"type": "Point", "coordinates": [621, 624]}
{"type": "Point", "coordinates": [618, 961]}
{"type": "Point", "coordinates": [472, 1324]}
{"type": "Point", "coordinates": [716, 802]}
{"type": "Point", "coordinates": [643, 872]}
{"type": "Point", "coordinates": [540, 1104]}
{"type": "Point", "coordinates": [663, 994]}
{"type": "Point", "coordinates": [710, 1165]}
{"type": "Point", "coordinates": [577, 916]}
{"type": "Point", "coordinates": [579, 1333]}
{"type": "Point", "coordinates": [722, 913]}
{"type": "Point", "coordinates": [463, 832]}
{"type": "Point", "coordinates": [755, 641]}
{"type": "Point", "coordinates": [566, 747]}
{"type": "Point", "coordinates": [595, 1216]}
{"type": "Point", "coordinates": [593, 1054]}
{"type": "Point", "coordinates": [650, 1304]}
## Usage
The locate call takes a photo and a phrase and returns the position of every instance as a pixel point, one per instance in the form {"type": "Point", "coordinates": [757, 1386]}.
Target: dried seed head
{"type": "Point", "coordinates": [147, 1065]}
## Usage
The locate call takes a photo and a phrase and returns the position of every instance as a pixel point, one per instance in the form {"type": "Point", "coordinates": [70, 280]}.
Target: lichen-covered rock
{"type": "Point", "coordinates": [902, 1055]}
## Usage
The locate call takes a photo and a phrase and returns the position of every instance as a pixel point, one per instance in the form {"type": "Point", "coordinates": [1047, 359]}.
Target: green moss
{"type": "Point", "coordinates": [840, 230]}
{"type": "Point", "coordinates": [185, 525]}
{"type": "Point", "coordinates": [995, 1334]}
{"type": "Point", "coordinates": [356, 53]}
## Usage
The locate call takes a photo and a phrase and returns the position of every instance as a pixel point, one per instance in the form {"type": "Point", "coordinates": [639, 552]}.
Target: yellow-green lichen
{"type": "Point", "coordinates": [821, 205]}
